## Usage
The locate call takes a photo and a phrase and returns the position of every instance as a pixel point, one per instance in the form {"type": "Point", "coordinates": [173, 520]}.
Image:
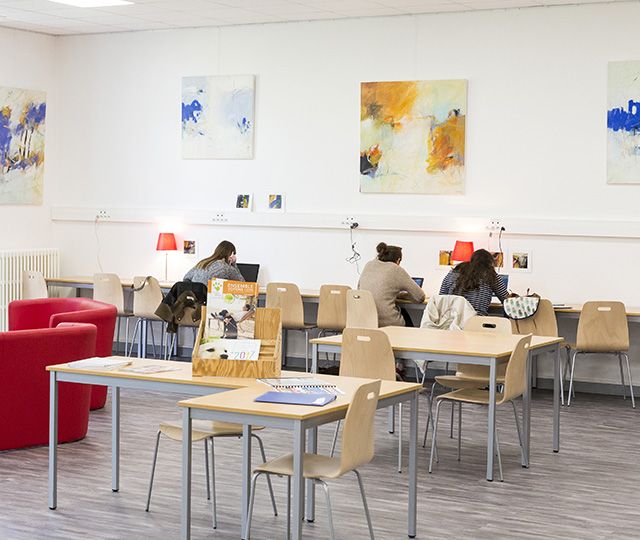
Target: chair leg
{"type": "Point", "coordinates": [459, 428]}
{"type": "Point", "coordinates": [153, 339]}
{"type": "Point", "coordinates": [252, 495]}
{"type": "Point", "coordinates": [118, 321]}
{"type": "Point", "coordinates": [288, 508]}
{"type": "Point", "coordinates": [206, 468]}
{"type": "Point", "coordinates": [264, 460]}
{"type": "Point", "coordinates": [335, 438]}
{"type": "Point", "coordinates": [624, 390]}
{"type": "Point", "coordinates": [135, 333]}
{"type": "Point", "coordinates": [515, 414]}
{"type": "Point", "coordinates": [214, 501]}
{"type": "Point", "coordinates": [633, 400]}
{"type": "Point", "coordinates": [563, 375]}
{"type": "Point", "coordinates": [325, 487]}
{"type": "Point", "coordinates": [399, 437]}
{"type": "Point", "coordinates": [306, 350]}
{"type": "Point", "coordinates": [573, 367]}
{"type": "Point", "coordinates": [429, 414]}
{"type": "Point", "coordinates": [153, 470]}
{"type": "Point", "coordinates": [435, 435]}
{"type": "Point", "coordinates": [126, 334]}
{"type": "Point", "coordinates": [364, 503]}
{"type": "Point", "coordinates": [453, 408]}
{"type": "Point", "coordinates": [498, 453]}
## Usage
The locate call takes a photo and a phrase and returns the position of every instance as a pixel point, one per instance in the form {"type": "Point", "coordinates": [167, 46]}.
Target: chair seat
{"type": "Point", "coordinates": [470, 395]}
{"type": "Point", "coordinates": [125, 314]}
{"type": "Point", "coordinates": [202, 429]}
{"type": "Point", "coordinates": [315, 466]}
{"type": "Point", "coordinates": [307, 326]}
{"type": "Point", "coordinates": [574, 347]}
{"type": "Point", "coordinates": [456, 381]}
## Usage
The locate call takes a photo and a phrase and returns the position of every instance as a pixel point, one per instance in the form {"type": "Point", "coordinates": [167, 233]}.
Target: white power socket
{"type": "Point", "coordinates": [219, 218]}
{"type": "Point", "coordinates": [102, 214]}
{"type": "Point", "coordinates": [494, 225]}
{"type": "Point", "coordinates": [349, 221]}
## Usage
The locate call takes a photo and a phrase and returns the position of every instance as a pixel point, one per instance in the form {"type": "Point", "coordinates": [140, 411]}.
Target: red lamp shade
{"type": "Point", "coordinates": [166, 242]}
{"type": "Point", "coordinates": [462, 251]}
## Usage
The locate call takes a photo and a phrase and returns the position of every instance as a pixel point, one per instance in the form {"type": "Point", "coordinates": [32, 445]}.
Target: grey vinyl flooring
{"type": "Point", "coordinates": [589, 490]}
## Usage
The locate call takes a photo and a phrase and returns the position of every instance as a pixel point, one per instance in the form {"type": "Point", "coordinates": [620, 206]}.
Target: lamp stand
{"type": "Point", "coordinates": [166, 265]}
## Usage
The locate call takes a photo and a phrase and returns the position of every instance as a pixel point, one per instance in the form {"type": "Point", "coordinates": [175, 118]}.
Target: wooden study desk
{"type": "Point", "coordinates": [477, 348]}
{"type": "Point", "coordinates": [301, 420]}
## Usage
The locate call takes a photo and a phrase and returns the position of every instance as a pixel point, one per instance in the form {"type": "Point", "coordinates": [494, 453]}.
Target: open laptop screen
{"type": "Point", "coordinates": [249, 271]}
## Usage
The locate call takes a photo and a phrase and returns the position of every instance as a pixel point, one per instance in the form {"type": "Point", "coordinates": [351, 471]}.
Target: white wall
{"type": "Point", "coordinates": [29, 62]}
{"type": "Point", "coordinates": [535, 140]}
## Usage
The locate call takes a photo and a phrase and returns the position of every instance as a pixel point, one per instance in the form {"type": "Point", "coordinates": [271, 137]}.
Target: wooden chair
{"type": "Point", "coordinates": [287, 297]}
{"type": "Point", "coordinates": [332, 308]}
{"type": "Point", "coordinates": [207, 432]}
{"type": "Point", "coordinates": [515, 382]}
{"type": "Point", "coordinates": [603, 328]}
{"type": "Point", "coordinates": [147, 296]}
{"type": "Point", "coordinates": [107, 288]}
{"type": "Point", "coordinates": [34, 285]}
{"type": "Point", "coordinates": [357, 450]}
{"type": "Point", "coordinates": [468, 375]}
{"type": "Point", "coordinates": [361, 310]}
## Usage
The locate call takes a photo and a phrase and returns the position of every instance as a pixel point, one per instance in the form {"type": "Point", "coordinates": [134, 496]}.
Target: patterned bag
{"type": "Point", "coordinates": [521, 307]}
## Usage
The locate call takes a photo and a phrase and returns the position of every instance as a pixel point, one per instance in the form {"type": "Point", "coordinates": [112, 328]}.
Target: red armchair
{"type": "Point", "coordinates": [24, 384]}
{"type": "Point", "coordinates": [49, 312]}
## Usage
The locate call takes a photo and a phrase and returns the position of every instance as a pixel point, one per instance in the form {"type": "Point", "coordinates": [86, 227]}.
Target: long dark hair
{"type": "Point", "coordinates": [224, 250]}
{"type": "Point", "coordinates": [479, 270]}
{"type": "Point", "coordinates": [388, 253]}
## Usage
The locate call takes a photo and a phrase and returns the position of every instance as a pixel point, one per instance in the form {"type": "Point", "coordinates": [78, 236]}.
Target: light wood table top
{"type": "Point", "coordinates": [243, 400]}
{"type": "Point", "coordinates": [451, 342]}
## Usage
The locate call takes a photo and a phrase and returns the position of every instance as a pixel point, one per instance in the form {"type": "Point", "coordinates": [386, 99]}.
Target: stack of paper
{"type": "Point", "coordinates": [106, 362]}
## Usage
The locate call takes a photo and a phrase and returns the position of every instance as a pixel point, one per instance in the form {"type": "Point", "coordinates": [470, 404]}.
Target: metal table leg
{"type": "Point", "coordinates": [185, 533]}
{"type": "Point", "coordinates": [53, 440]}
{"type": "Point", "coordinates": [413, 465]}
{"type": "Point", "coordinates": [314, 358]}
{"type": "Point", "coordinates": [491, 423]}
{"type": "Point", "coordinates": [246, 474]}
{"type": "Point", "coordinates": [115, 438]}
{"type": "Point", "coordinates": [312, 448]}
{"type": "Point", "coordinates": [556, 399]}
{"type": "Point", "coordinates": [298, 481]}
{"type": "Point", "coordinates": [526, 411]}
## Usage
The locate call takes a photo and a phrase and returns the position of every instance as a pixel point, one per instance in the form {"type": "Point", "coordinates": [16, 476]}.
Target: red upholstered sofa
{"type": "Point", "coordinates": [24, 384]}
{"type": "Point", "coordinates": [49, 312]}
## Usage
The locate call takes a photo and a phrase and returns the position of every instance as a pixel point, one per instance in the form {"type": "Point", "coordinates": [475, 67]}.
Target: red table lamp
{"type": "Point", "coordinates": [462, 251]}
{"type": "Point", "coordinates": [166, 242]}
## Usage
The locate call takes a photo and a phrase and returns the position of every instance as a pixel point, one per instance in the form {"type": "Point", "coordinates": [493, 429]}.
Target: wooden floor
{"type": "Point", "coordinates": [591, 489]}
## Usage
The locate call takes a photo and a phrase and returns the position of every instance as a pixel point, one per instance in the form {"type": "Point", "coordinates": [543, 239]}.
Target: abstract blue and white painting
{"type": "Point", "coordinates": [218, 117]}
{"type": "Point", "coordinates": [623, 123]}
{"type": "Point", "coordinates": [22, 116]}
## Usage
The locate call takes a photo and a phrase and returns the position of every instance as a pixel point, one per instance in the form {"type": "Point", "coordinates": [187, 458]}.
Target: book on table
{"type": "Point", "coordinates": [302, 385]}
{"type": "Point", "coordinates": [101, 362]}
{"type": "Point", "coordinates": [292, 398]}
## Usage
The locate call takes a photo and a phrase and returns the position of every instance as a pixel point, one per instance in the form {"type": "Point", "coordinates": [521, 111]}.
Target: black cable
{"type": "Point", "coordinates": [355, 256]}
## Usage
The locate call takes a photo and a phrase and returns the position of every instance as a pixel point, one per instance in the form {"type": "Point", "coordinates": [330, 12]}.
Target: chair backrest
{"type": "Point", "coordinates": [286, 296]}
{"type": "Point", "coordinates": [499, 325]}
{"type": "Point", "coordinates": [358, 431]}
{"type": "Point", "coordinates": [33, 285]}
{"type": "Point", "coordinates": [361, 309]}
{"type": "Point", "coordinates": [515, 378]}
{"type": "Point", "coordinates": [603, 327]}
{"type": "Point", "coordinates": [542, 323]}
{"type": "Point", "coordinates": [447, 312]}
{"type": "Point", "coordinates": [332, 308]}
{"type": "Point", "coordinates": [107, 288]}
{"type": "Point", "coordinates": [147, 296]}
{"type": "Point", "coordinates": [368, 354]}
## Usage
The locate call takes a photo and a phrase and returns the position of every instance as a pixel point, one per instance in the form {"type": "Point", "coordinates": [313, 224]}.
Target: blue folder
{"type": "Point", "coordinates": [294, 398]}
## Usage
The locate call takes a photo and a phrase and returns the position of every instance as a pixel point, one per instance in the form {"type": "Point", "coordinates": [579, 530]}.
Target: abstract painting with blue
{"type": "Point", "coordinates": [22, 122]}
{"type": "Point", "coordinates": [623, 123]}
{"type": "Point", "coordinates": [218, 117]}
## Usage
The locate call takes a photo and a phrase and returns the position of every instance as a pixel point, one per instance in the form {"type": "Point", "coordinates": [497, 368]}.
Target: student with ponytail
{"type": "Point", "coordinates": [388, 282]}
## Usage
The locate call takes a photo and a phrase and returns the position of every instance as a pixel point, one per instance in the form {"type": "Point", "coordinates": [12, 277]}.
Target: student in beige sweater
{"type": "Point", "coordinates": [388, 282]}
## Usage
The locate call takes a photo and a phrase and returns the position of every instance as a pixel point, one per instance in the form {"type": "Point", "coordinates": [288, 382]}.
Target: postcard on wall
{"type": "Point", "coordinates": [218, 117]}
{"type": "Point", "coordinates": [520, 261]}
{"type": "Point", "coordinates": [22, 127]}
{"type": "Point", "coordinates": [275, 202]}
{"type": "Point", "coordinates": [498, 258]}
{"type": "Point", "coordinates": [623, 123]}
{"type": "Point", "coordinates": [244, 201]}
{"type": "Point", "coordinates": [189, 247]}
{"type": "Point", "coordinates": [444, 257]}
{"type": "Point", "coordinates": [231, 310]}
{"type": "Point", "coordinates": [412, 136]}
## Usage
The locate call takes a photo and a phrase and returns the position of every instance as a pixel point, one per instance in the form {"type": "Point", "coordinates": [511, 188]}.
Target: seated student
{"type": "Point", "coordinates": [477, 281]}
{"type": "Point", "coordinates": [388, 282]}
{"type": "Point", "coordinates": [221, 265]}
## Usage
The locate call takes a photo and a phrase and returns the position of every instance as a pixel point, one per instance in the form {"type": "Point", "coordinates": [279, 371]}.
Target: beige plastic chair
{"type": "Point", "coordinates": [361, 310]}
{"type": "Point", "coordinates": [33, 285]}
{"type": "Point", "coordinates": [468, 375]}
{"type": "Point", "coordinates": [207, 432]}
{"type": "Point", "coordinates": [515, 382]}
{"type": "Point", "coordinates": [332, 308]}
{"type": "Point", "coordinates": [603, 328]}
{"type": "Point", "coordinates": [357, 450]}
{"type": "Point", "coordinates": [107, 288]}
{"type": "Point", "coordinates": [147, 296]}
{"type": "Point", "coordinates": [287, 297]}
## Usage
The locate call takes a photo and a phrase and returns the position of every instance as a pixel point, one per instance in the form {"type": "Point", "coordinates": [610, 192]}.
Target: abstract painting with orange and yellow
{"type": "Point", "coordinates": [412, 136]}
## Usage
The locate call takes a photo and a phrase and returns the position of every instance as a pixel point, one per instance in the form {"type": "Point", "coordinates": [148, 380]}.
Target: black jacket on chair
{"type": "Point", "coordinates": [183, 304]}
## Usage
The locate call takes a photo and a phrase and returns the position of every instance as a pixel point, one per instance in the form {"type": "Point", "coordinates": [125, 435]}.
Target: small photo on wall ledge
{"type": "Point", "coordinates": [520, 261]}
{"type": "Point", "coordinates": [243, 202]}
{"type": "Point", "coordinates": [189, 247]}
{"type": "Point", "coordinates": [498, 258]}
{"type": "Point", "coordinates": [444, 257]}
{"type": "Point", "coordinates": [275, 202]}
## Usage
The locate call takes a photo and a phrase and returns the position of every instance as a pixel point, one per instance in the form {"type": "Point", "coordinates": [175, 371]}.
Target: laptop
{"type": "Point", "coordinates": [249, 271]}
{"type": "Point", "coordinates": [418, 280]}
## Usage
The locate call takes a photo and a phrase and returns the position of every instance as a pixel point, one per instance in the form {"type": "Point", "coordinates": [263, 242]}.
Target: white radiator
{"type": "Point", "coordinates": [13, 263]}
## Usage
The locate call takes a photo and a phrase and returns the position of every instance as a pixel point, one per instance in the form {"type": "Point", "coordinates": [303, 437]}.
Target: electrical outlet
{"type": "Point", "coordinates": [494, 225]}
{"type": "Point", "coordinates": [219, 218]}
{"type": "Point", "coordinates": [349, 221]}
{"type": "Point", "coordinates": [102, 214]}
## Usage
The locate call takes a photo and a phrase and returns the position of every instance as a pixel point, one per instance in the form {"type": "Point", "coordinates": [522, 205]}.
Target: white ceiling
{"type": "Point", "coordinates": [59, 19]}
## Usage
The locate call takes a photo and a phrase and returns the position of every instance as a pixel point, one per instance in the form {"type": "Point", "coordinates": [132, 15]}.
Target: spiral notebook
{"type": "Point", "coordinates": [302, 385]}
